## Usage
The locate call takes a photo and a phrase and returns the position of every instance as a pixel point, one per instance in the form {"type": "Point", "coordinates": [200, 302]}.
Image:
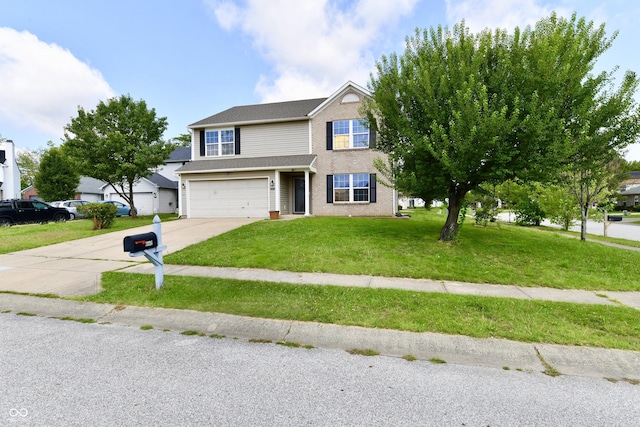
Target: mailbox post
{"type": "Point", "coordinates": [150, 245]}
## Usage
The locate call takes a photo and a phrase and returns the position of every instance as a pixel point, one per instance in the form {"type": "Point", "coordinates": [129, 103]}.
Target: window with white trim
{"type": "Point", "coordinates": [350, 134]}
{"type": "Point", "coordinates": [352, 187]}
{"type": "Point", "coordinates": [219, 142]}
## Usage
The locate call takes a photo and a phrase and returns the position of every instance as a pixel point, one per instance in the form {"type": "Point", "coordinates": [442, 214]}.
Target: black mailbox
{"type": "Point", "coordinates": [140, 242]}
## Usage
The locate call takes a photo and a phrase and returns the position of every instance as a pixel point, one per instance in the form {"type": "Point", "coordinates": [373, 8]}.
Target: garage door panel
{"type": "Point", "coordinates": [233, 198]}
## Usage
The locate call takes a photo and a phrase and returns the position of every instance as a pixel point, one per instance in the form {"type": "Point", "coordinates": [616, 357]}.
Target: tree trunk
{"type": "Point", "coordinates": [584, 213]}
{"type": "Point", "coordinates": [450, 229]}
{"type": "Point", "coordinates": [133, 213]}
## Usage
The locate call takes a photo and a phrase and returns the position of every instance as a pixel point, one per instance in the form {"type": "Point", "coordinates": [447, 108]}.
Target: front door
{"type": "Point", "coordinates": [298, 195]}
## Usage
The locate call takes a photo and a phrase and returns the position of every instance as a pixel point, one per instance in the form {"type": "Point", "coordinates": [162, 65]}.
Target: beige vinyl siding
{"type": "Point", "coordinates": [265, 140]}
{"type": "Point", "coordinates": [275, 139]}
{"type": "Point", "coordinates": [285, 196]}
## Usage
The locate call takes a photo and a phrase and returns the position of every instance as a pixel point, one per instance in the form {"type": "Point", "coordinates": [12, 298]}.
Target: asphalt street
{"type": "Point", "coordinates": [65, 373]}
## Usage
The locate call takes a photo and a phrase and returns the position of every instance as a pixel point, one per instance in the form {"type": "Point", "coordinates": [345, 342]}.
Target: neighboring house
{"type": "Point", "coordinates": [157, 193]}
{"type": "Point", "coordinates": [630, 191]}
{"type": "Point", "coordinates": [30, 193]}
{"type": "Point", "coordinates": [152, 195]}
{"type": "Point", "coordinates": [178, 157]}
{"type": "Point", "coordinates": [90, 189]}
{"type": "Point", "coordinates": [9, 171]}
{"type": "Point", "coordinates": [310, 157]}
{"type": "Point", "coordinates": [410, 202]}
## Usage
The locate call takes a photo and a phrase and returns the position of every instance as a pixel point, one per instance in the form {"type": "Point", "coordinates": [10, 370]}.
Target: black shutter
{"type": "Point", "coordinates": [372, 188]}
{"type": "Point", "coordinates": [329, 188]}
{"type": "Point", "coordinates": [372, 138]}
{"type": "Point", "coordinates": [202, 149]}
{"type": "Point", "coordinates": [236, 134]}
{"type": "Point", "coordinates": [330, 136]}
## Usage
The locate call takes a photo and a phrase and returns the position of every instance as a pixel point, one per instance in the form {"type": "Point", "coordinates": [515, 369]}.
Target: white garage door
{"type": "Point", "coordinates": [246, 198]}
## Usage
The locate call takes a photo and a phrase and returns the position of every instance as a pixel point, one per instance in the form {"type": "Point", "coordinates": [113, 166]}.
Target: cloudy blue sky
{"type": "Point", "coordinates": [189, 59]}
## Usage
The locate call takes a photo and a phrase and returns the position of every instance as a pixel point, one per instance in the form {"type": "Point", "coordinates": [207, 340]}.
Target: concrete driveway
{"type": "Point", "coordinates": [75, 267]}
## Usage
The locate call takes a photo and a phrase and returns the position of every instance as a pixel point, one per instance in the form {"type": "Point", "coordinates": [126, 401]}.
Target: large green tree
{"type": "Point", "coordinates": [457, 109]}
{"type": "Point", "coordinates": [29, 163]}
{"type": "Point", "coordinates": [593, 184]}
{"type": "Point", "coordinates": [57, 178]}
{"type": "Point", "coordinates": [119, 142]}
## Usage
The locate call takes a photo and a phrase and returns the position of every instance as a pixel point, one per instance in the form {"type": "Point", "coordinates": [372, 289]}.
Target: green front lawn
{"type": "Point", "coordinates": [29, 236]}
{"type": "Point", "coordinates": [500, 254]}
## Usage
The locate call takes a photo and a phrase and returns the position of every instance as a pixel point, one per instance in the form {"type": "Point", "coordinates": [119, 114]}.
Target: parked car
{"type": "Point", "coordinates": [71, 206]}
{"type": "Point", "coordinates": [122, 208]}
{"type": "Point", "coordinates": [25, 211]}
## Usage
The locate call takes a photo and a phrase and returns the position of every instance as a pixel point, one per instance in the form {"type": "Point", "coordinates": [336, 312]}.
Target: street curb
{"type": "Point", "coordinates": [498, 353]}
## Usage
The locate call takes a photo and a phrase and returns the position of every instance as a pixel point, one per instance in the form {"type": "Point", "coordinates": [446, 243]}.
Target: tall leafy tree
{"type": "Point", "coordinates": [29, 163]}
{"type": "Point", "coordinates": [183, 140]}
{"type": "Point", "coordinates": [593, 184]}
{"type": "Point", "coordinates": [119, 142]}
{"type": "Point", "coordinates": [57, 178]}
{"type": "Point", "coordinates": [457, 109]}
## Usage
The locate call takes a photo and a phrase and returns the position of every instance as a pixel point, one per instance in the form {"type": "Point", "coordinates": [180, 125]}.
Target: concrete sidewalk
{"type": "Point", "coordinates": [631, 299]}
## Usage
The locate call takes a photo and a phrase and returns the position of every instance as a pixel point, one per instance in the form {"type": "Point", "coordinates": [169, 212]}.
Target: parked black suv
{"type": "Point", "coordinates": [25, 211]}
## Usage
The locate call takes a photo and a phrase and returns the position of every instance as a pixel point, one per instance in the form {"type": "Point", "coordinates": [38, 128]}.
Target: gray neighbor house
{"type": "Point", "coordinates": [307, 157]}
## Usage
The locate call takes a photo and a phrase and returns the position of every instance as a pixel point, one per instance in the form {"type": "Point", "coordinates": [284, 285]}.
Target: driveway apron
{"type": "Point", "coordinates": [75, 267]}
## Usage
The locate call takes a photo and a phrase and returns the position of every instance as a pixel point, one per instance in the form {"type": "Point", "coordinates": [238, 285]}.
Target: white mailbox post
{"type": "Point", "coordinates": [150, 245]}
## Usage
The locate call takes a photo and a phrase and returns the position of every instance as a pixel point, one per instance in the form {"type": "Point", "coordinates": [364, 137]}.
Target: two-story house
{"type": "Point", "coordinates": [310, 157]}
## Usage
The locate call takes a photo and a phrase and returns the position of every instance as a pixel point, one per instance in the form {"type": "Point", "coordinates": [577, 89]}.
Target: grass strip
{"type": "Point", "coordinates": [483, 317]}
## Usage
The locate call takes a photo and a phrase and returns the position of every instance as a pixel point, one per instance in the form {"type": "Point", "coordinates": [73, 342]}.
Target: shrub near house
{"type": "Point", "coordinates": [102, 214]}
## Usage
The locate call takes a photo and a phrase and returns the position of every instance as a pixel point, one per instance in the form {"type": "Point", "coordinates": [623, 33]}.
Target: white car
{"type": "Point", "coordinates": [71, 206]}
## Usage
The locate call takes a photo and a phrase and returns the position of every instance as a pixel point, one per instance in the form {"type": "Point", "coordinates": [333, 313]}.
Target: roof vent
{"type": "Point", "coordinates": [350, 97]}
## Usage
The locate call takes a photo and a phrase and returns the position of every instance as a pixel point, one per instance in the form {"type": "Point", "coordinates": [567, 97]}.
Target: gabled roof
{"type": "Point", "coordinates": [162, 182]}
{"type": "Point", "coordinates": [180, 154]}
{"type": "Point", "coordinates": [347, 86]}
{"type": "Point", "coordinates": [631, 191]}
{"type": "Point", "coordinates": [300, 162]}
{"type": "Point", "coordinates": [260, 113]}
{"type": "Point", "coordinates": [90, 185]}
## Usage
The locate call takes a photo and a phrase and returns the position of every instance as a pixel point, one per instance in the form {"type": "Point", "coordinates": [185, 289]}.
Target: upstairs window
{"type": "Point", "coordinates": [219, 142]}
{"type": "Point", "coordinates": [344, 134]}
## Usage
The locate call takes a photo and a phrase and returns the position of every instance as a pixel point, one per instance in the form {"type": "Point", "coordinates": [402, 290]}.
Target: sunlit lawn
{"type": "Point", "coordinates": [500, 254]}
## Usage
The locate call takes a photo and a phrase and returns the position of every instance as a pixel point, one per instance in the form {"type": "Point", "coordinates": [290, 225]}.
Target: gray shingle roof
{"type": "Point", "coordinates": [90, 185]}
{"type": "Point", "coordinates": [180, 154]}
{"type": "Point", "coordinates": [631, 191]}
{"type": "Point", "coordinates": [162, 182]}
{"type": "Point", "coordinates": [262, 113]}
{"type": "Point", "coordinates": [302, 161]}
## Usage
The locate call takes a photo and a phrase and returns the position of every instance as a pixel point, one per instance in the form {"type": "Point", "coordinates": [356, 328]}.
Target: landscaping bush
{"type": "Point", "coordinates": [528, 212]}
{"type": "Point", "coordinates": [102, 214]}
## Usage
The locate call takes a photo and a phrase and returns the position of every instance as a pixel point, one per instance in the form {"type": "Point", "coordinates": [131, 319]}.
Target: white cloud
{"type": "Point", "coordinates": [42, 85]}
{"type": "Point", "coordinates": [315, 46]}
{"type": "Point", "coordinates": [506, 14]}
